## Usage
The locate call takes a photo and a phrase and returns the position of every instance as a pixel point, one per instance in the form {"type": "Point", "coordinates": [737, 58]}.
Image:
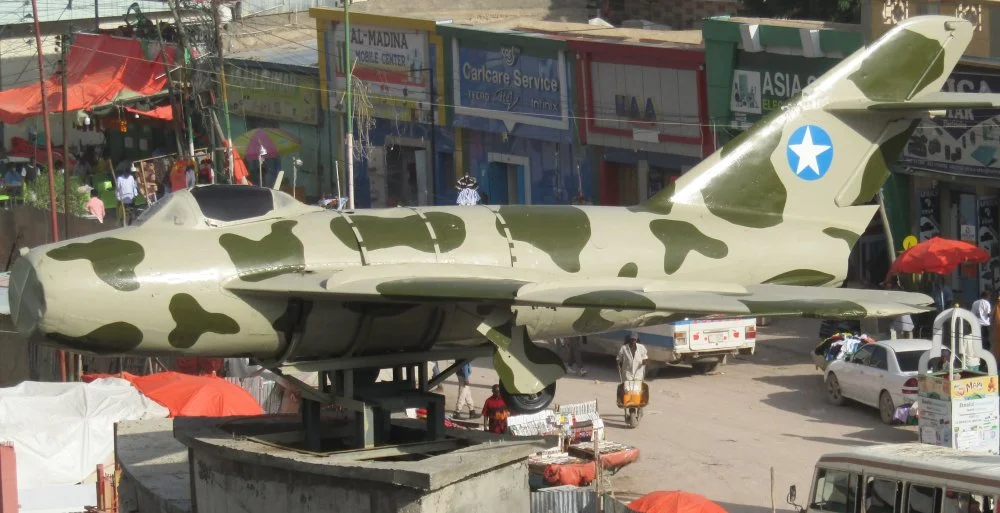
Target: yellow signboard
{"type": "Point", "coordinates": [270, 94]}
{"type": "Point", "coordinates": [961, 389]}
{"type": "Point", "coordinates": [909, 242]}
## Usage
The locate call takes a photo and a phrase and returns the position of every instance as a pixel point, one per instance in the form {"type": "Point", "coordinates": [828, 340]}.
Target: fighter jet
{"type": "Point", "coordinates": [763, 227]}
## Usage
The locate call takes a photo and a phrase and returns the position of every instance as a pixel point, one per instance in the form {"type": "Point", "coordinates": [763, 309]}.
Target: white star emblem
{"type": "Point", "coordinates": [807, 152]}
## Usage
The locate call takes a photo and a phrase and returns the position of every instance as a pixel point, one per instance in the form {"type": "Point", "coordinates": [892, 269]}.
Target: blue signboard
{"type": "Point", "coordinates": [507, 80]}
{"type": "Point", "coordinates": [965, 141]}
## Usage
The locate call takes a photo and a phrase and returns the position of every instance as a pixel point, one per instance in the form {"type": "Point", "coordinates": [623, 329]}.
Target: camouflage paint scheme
{"type": "Point", "coordinates": [739, 235]}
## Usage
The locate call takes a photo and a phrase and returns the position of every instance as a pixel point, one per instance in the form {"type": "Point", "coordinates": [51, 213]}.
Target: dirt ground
{"type": "Point", "coordinates": [719, 435]}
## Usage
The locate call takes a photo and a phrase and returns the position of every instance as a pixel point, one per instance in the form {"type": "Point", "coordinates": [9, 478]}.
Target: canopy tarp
{"type": "Point", "coordinates": [164, 112]}
{"type": "Point", "coordinates": [100, 67]}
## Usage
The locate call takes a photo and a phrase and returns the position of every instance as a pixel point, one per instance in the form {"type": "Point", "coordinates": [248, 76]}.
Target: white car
{"type": "Point", "coordinates": [883, 375]}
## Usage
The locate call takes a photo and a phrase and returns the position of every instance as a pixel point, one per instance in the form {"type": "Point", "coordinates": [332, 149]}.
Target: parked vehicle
{"type": "Point", "coordinates": [703, 344]}
{"type": "Point", "coordinates": [881, 374]}
{"type": "Point", "coordinates": [911, 477]}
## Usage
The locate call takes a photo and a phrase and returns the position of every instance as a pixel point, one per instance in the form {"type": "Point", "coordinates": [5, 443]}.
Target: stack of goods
{"type": "Point", "coordinates": [538, 462]}
{"type": "Point", "coordinates": [843, 344]}
{"type": "Point", "coordinates": [614, 455]}
{"type": "Point", "coordinates": [536, 424]}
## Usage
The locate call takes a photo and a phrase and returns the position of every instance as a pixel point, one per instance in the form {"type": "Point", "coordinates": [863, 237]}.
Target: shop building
{"type": "Point", "coordinates": [280, 88]}
{"type": "Point", "coordinates": [754, 66]}
{"type": "Point", "coordinates": [947, 182]}
{"type": "Point", "coordinates": [510, 100]}
{"type": "Point", "coordinates": [643, 112]}
{"type": "Point", "coordinates": [404, 154]}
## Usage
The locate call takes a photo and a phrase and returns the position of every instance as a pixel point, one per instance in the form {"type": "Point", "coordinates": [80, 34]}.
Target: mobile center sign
{"type": "Point", "coordinates": [394, 64]}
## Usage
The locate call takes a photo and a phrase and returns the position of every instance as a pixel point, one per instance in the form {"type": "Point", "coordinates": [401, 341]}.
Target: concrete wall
{"type": "Point", "coordinates": [223, 486]}
{"type": "Point", "coordinates": [27, 226]}
{"type": "Point", "coordinates": [679, 14]}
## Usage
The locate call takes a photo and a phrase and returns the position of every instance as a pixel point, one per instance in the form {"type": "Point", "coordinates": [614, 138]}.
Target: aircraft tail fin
{"type": "Point", "coordinates": [824, 155]}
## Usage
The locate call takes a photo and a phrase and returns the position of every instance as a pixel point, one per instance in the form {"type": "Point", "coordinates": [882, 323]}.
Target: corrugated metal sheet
{"type": "Point", "coordinates": [574, 501]}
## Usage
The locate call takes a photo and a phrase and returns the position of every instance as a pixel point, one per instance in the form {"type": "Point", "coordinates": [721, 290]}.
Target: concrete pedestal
{"type": "Point", "coordinates": [230, 474]}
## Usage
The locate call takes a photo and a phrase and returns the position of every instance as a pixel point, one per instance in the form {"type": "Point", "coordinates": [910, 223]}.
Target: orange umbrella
{"type": "Point", "coordinates": [939, 256]}
{"type": "Point", "coordinates": [192, 396]}
{"type": "Point", "coordinates": [674, 502]}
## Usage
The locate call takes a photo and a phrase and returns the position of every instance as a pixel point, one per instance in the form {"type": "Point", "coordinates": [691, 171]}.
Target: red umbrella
{"type": "Point", "coordinates": [674, 502]}
{"type": "Point", "coordinates": [192, 396]}
{"type": "Point", "coordinates": [939, 256]}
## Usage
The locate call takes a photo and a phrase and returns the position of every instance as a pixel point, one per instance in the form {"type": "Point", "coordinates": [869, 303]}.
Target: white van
{"type": "Point", "coordinates": [903, 478]}
{"type": "Point", "coordinates": [703, 344]}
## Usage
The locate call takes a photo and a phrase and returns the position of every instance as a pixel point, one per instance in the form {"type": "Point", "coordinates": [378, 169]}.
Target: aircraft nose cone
{"type": "Point", "coordinates": [27, 298]}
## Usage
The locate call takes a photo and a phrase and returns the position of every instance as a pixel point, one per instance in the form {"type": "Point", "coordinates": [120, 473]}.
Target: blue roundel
{"type": "Point", "coordinates": [810, 152]}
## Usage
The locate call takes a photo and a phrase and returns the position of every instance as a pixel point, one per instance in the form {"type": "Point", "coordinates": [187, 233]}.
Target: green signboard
{"type": "Point", "coordinates": [764, 81]}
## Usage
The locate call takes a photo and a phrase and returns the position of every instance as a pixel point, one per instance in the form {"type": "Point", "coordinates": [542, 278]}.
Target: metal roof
{"type": "Point", "coordinates": [302, 54]}
{"type": "Point", "coordinates": [924, 459]}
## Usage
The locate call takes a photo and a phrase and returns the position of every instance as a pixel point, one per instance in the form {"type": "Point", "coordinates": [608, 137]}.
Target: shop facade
{"type": "Point", "coordinates": [404, 153]}
{"type": "Point", "coordinates": [268, 94]}
{"type": "Point", "coordinates": [754, 68]}
{"type": "Point", "coordinates": [511, 103]}
{"type": "Point", "coordinates": [644, 115]}
{"type": "Point", "coordinates": [947, 181]}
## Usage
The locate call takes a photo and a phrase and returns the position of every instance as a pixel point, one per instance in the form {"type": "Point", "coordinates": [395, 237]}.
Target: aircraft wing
{"type": "Point", "coordinates": [503, 285]}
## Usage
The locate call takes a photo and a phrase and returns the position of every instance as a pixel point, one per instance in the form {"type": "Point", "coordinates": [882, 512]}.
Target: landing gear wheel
{"type": "Point", "coordinates": [886, 409]}
{"type": "Point", "coordinates": [528, 403]}
{"type": "Point", "coordinates": [705, 367]}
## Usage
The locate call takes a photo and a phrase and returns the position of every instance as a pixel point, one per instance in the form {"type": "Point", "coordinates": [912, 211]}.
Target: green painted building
{"type": "Point", "coordinates": [754, 66]}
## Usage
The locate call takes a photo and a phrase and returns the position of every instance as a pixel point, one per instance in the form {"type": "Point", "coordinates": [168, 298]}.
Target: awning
{"type": "Point", "coordinates": [100, 68]}
{"type": "Point", "coordinates": [164, 112]}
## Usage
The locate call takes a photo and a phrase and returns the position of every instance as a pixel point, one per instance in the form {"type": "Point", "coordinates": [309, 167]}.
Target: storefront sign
{"type": "Point", "coordinates": [964, 141]}
{"type": "Point", "coordinates": [930, 216]}
{"type": "Point", "coordinates": [764, 82]}
{"type": "Point", "coordinates": [887, 13]}
{"type": "Point", "coordinates": [394, 65]}
{"type": "Point", "coordinates": [277, 95]}
{"type": "Point", "coordinates": [989, 272]}
{"type": "Point", "coordinates": [663, 100]}
{"type": "Point", "coordinates": [516, 86]}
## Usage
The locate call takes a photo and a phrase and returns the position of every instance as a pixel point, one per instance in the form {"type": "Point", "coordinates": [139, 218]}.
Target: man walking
{"type": "Point", "coordinates": [495, 412]}
{"type": "Point", "coordinates": [632, 358]}
{"type": "Point", "coordinates": [982, 309]}
{"type": "Point", "coordinates": [465, 393]}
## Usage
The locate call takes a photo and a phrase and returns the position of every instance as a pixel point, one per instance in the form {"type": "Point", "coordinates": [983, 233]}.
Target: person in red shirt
{"type": "Point", "coordinates": [495, 412]}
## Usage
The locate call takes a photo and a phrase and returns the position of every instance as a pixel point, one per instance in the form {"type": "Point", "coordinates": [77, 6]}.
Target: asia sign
{"type": "Point", "coordinates": [661, 99]}
{"type": "Point", "coordinates": [963, 141]}
{"type": "Point", "coordinates": [509, 84]}
{"type": "Point", "coordinates": [277, 95]}
{"type": "Point", "coordinates": [394, 66]}
{"type": "Point", "coordinates": [763, 82]}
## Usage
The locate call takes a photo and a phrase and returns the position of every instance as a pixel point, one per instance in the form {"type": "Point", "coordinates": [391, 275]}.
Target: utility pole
{"type": "Point", "coordinates": [182, 34]}
{"type": "Point", "coordinates": [216, 4]}
{"type": "Point", "coordinates": [348, 106]}
{"type": "Point", "coordinates": [45, 121]}
{"type": "Point", "coordinates": [97, 16]}
{"type": "Point", "coordinates": [48, 147]}
{"type": "Point", "coordinates": [64, 42]}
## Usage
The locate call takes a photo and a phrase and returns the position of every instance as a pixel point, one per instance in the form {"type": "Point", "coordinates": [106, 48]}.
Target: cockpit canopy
{"type": "Point", "coordinates": [218, 204]}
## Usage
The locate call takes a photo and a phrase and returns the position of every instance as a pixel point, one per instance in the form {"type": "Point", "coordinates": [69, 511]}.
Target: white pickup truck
{"type": "Point", "coordinates": [703, 344]}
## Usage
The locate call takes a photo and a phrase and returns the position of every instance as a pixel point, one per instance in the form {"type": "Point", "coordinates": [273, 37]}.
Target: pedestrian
{"type": "Point", "coordinates": [632, 358]}
{"type": "Point", "coordinates": [465, 393]}
{"type": "Point", "coordinates": [189, 176]}
{"type": "Point", "coordinates": [902, 326]}
{"type": "Point", "coordinates": [495, 412]}
{"type": "Point", "coordinates": [95, 206]}
{"type": "Point", "coordinates": [982, 309]}
{"type": "Point", "coordinates": [575, 363]}
{"type": "Point", "coordinates": [126, 191]}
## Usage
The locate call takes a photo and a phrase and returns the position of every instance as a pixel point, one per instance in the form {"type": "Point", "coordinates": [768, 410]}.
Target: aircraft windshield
{"type": "Point", "coordinates": [233, 202]}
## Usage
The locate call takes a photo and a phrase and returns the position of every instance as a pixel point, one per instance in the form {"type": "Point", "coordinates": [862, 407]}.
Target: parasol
{"type": "Point", "coordinates": [938, 256]}
{"type": "Point", "coordinates": [261, 142]}
{"type": "Point", "coordinates": [674, 502]}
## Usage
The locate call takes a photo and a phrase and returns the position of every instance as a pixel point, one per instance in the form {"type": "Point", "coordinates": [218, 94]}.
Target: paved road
{"type": "Point", "coordinates": [719, 435]}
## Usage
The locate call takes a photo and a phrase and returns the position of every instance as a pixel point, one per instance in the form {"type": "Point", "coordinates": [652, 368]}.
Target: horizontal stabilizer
{"type": "Point", "coordinates": [430, 283]}
{"type": "Point", "coordinates": [926, 102]}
